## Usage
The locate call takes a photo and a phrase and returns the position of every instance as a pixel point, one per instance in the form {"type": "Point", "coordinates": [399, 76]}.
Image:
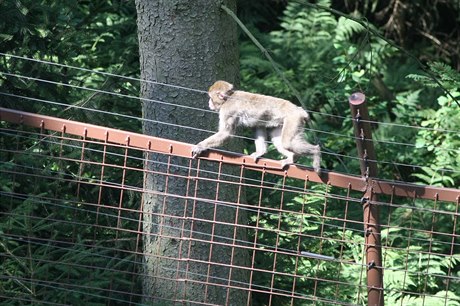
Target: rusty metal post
{"type": "Point", "coordinates": [371, 212]}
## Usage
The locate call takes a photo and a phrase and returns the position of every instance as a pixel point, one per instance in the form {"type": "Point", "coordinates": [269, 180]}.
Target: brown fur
{"type": "Point", "coordinates": [284, 120]}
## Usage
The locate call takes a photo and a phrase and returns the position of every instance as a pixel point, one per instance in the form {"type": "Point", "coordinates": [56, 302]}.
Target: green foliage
{"type": "Point", "coordinates": [411, 270]}
{"type": "Point", "coordinates": [440, 141]}
{"type": "Point", "coordinates": [58, 250]}
{"type": "Point", "coordinates": [66, 263]}
{"type": "Point", "coordinates": [327, 59]}
{"type": "Point", "coordinates": [346, 29]}
{"type": "Point", "coordinates": [300, 225]}
{"type": "Point", "coordinates": [93, 35]}
{"type": "Point", "coordinates": [445, 76]}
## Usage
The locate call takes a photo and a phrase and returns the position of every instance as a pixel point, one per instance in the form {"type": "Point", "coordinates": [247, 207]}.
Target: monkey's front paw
{"type": "Point", "coordinates": [197, 150]}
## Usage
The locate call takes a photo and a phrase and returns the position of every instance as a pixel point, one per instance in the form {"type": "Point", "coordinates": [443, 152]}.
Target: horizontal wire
{"type": "Point", "coordinates": [256, 182]}
{"type": "Point", "coordinates": [209, 131]}
{"type": "Point", "coordinates": [202, 91]}
{"type": "Point", "coordinates": [410, 145]}
{"type": "Point", "coordinates": [192, 108]}
{"type": "Point", "coordinates": [268, 214]}
{"type": "Point", "coordinates": [86, 290]}
{"type": "Point", "coordinates": [198, 109]}
{"type": "Point", "coordinates": [100, 91]}
{"type": "Point", "coordinates": [185, 235]}
{"type": "Point", "coordinates": [233, 135]}
{"type": "Point", "coordinates": [286, 187]}
{"type": "Point", "coordinates": [115, 114]}
{"type": "Point", "coordinates": [20, 238]}
{"type": "Point", "coordinates": [413, 126]}
{"type": "Point", "coordinates": [176, 105]}
{"type": "Point", "coordinates": [261, 247]}
{"type": "Point", "coordinates": [20, 297]}
{"type": "Point", "coordinates": [102, 73]}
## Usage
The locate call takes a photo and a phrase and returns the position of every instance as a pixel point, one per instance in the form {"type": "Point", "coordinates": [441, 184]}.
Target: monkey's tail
{"type": "Point", "coordinates": [302, 147]}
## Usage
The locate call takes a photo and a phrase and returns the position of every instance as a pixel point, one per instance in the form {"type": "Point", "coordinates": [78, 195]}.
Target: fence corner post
{"type": "Point", "coordinates": [371, 211]}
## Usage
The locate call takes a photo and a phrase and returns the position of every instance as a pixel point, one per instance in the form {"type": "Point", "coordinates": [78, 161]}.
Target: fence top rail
{"type": "Point", "coordinates": [176, 148]}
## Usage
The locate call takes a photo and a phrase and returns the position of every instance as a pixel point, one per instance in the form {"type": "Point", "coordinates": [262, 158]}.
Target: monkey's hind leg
{"type": "Point", "coordinates": [276, 136]}
{"type": "Point", "coordinates": [291, 129]}
{"type": "Point", "coordinates": [261, 146]}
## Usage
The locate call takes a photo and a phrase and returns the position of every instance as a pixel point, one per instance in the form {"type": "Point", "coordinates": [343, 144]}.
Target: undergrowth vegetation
{"type": "Point", "coordinates": [324, 56]}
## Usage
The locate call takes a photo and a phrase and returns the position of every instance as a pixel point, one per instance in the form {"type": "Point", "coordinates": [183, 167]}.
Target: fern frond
{"type": "Point", "coordinates": [346, 28]}
{"type": "Point", "coordinates": [447, 77]}
{"type": "Point", "coordinates": [445, 73]}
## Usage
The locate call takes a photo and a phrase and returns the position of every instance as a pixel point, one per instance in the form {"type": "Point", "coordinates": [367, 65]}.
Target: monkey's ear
{"type": "Point", "coordinates": [227, 92]}
{"type": "Point", "coordinates": [229, 88]}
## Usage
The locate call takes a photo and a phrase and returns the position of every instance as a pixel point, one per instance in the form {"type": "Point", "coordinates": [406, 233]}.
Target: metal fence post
{"type": "Point", "coordinates": [371, 212]}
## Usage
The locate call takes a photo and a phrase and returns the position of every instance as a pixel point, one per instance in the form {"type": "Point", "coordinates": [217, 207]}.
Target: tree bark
{"type": "Point", "coordinates": [190, 44]}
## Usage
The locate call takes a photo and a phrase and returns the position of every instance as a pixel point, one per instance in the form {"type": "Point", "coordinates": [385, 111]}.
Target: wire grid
{"type": "Point", "coordinates": [100, 244]}
{"type": "Point", "coordinates": [420, 245]}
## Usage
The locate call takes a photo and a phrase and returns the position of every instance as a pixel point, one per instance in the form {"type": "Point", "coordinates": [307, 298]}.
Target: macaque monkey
{"type": "Point", "coordinates": [283, 120]}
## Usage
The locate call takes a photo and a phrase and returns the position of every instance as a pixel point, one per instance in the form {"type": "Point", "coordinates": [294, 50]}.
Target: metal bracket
{"type": "Point", "coordinates": [364, 200]}
{"type": "Point", "coordinates": [371, 265]}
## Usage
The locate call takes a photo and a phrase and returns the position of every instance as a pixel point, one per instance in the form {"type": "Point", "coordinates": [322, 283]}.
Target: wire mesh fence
{"type": "Point", "coordinates": [78, 226]}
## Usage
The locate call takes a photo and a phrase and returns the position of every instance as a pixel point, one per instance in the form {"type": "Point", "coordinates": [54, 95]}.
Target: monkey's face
{"type": "Point", "coordinates": [215, 101]}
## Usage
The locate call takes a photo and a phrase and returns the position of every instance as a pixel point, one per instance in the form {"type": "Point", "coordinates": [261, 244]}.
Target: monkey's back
{"type": "Point", "coordinates": [260, 110]}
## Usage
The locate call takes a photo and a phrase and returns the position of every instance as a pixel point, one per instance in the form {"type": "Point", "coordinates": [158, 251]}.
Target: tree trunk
{"type": "Point", "coordinates": [190, 44]}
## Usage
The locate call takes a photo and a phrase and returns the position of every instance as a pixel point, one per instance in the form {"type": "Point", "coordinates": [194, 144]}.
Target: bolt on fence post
{"type": "Point", "coordinates": [366, 152]}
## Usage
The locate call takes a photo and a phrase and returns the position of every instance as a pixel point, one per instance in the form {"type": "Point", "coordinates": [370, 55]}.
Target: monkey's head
{"type": "Point", "coordinates": [219, 93]}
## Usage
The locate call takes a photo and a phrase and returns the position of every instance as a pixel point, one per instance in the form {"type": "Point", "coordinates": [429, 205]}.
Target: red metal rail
{"type": "Point", "coordinates": [182, 149]}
